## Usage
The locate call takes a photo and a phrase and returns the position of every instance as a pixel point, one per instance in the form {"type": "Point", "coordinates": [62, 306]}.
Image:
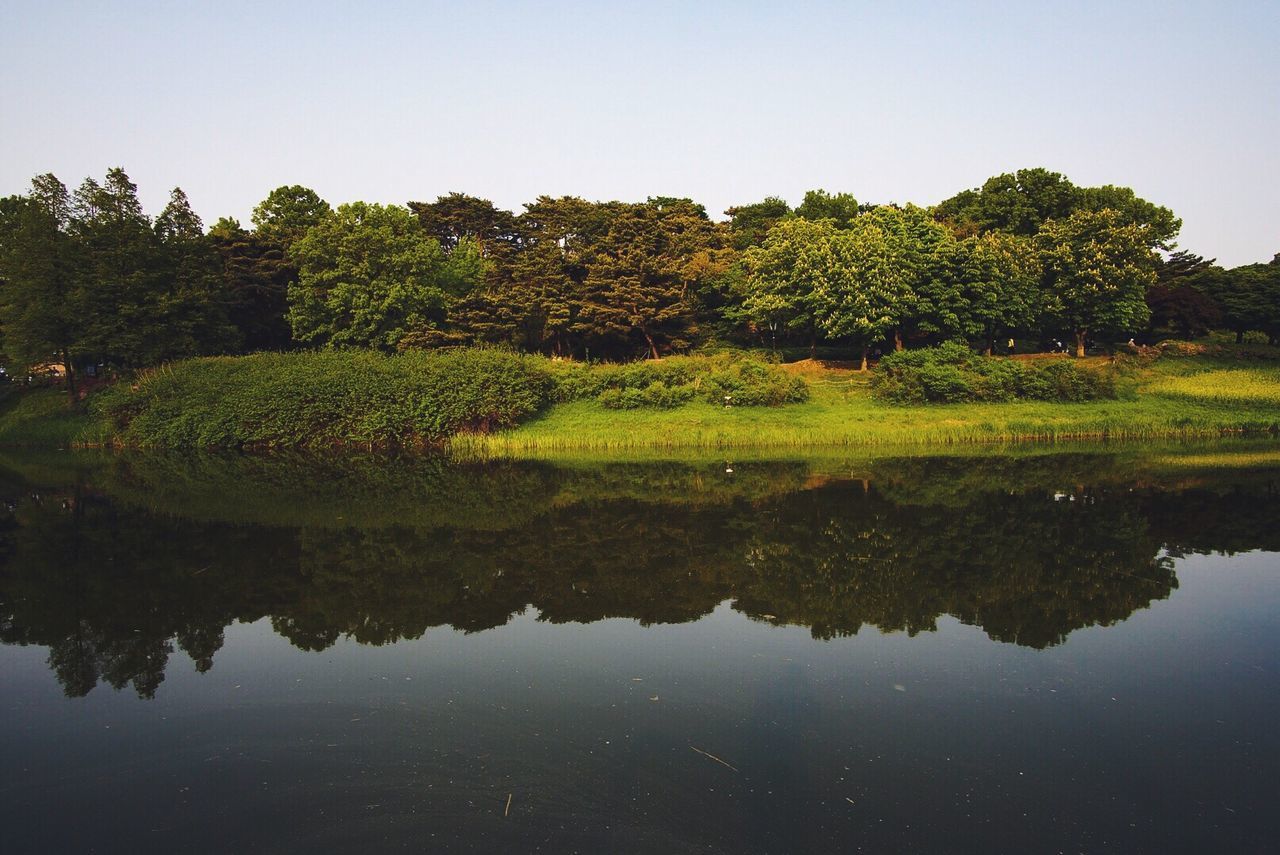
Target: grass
{"type": "Point", "coordinates": [41, 417]}
{"type": "Point", "coordinates": [1197, 396]}
{"type": "Point", "coordinates": [1171, 398]}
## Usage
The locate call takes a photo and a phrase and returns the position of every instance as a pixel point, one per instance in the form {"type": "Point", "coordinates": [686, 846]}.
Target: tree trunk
{"type": "Point", "coordinates": [1080, 343]}
{"type": "Point", "coordinates": [71, 378]}
{"type": "Point", "coordinates": [653, 348]}
{"type": "Point", "coordinates": [863, 366]}
{"type": "Point", "coordinates": [897, 339]}
{"type": "Point", "coordinates": [813, 345]}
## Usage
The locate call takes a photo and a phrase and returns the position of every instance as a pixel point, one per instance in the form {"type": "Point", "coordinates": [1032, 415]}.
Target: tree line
{"type": "Point", "coordinates": [87, 278]}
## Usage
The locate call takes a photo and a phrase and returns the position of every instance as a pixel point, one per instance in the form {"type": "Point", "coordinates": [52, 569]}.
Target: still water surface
{"type": "Point", "coordinates": [1047, 652]}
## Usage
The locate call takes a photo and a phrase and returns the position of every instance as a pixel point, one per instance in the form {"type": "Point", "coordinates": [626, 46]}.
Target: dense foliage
{"type": "Point", "coordinates": [325, 398]}
{"type": "Point", "coordinates": [952, 373]}
{"type": "Point", "coordinates": [727, 379]}
{"type": "Point", "coordinates": [87, 279]}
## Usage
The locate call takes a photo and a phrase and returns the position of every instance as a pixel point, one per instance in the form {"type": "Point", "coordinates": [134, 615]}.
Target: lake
{"type": "Point", "coordinates": [1072, 649]}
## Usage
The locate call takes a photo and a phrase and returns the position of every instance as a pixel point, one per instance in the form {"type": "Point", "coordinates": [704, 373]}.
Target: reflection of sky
{"type": "Point", "coordinates": [1152, 734]}
{"type": "Point", "coordinates": [723, 102]}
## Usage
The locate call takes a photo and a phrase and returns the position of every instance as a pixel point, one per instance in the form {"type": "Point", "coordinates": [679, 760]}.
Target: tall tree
{"type": "Point", "coordinates": [124, 267]}
{"type": "Point", "coordinates": [42, 293]}
{"type": "Point", "coordinates": [255, 280]}
{"type": "Point", "coordinates": [1021, 202]}
{"type": "Point", "coordinates": [999, 276]}
{"type": "Point", "coordinates": [841, 208]}
{"type": "Point", "coordinates": [543, 289]}
{"type": "Point", "coordinates": [1181, 300]}
{"type": "Point", "coordinates": [453, 218]}
{"type": "Point", "coordinates": [636, 284]}
{"type": "Point", "coordinates": [1250, 299]}
{"type": "Point", "coordinates": [866, 286]}
{"type": "Point", "coordinates": [1097, 269]}
{"type": "Point", "coordinates": [1017, 202]}
{"type": "Point", "coordinates": [191, 302]}
{"type": "Point", "coordinates": [784, 275]}
{"type": "Point", "coordinates": [750, 224]}
{"type": "Point", "coordinates": [287, 213]}
{"type": "Point", "coordinates": [370, 275]}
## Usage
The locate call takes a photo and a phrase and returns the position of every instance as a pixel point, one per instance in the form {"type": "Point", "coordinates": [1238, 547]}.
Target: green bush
{"type": "Point", "coordinates": [671, 382]}
{"type": "Point", "coordinates": [326, 398]}
{"type": "Point", "coordinates": [952, 373]}
{"type": "Point", "coordinates": [657, 395]}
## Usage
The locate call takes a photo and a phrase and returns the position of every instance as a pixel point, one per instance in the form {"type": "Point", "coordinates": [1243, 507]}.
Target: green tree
{"type": "Point", "coordinates": [255, 281]}
{"type": "Point", "coordinates": [124, 322]}
{"type": "Point", "coordinates": [191, 300]}
{"type": "Point", "coordinates": [865, 288]}
{"type": "Point", "coordinates": [369, 274]}
{"type": "Point", "coordinates": [750, 224]}
{"type": "Point", "coordinates": [287, 213]}
{"type": "Point", "coordinates": [1250, 299]}
{"type": "Point", "coordinates": [541, 294]}
{"type": "Point", "coordinates": [456, 217]}
{"type": "Point", "coordinates": [1017, 203]}
{"type": "Point", "coordinates": [842, 208]}
{"type": "Point", "coordinates": [784, 275]}
{"type": "Point", "coordinates": [1021, 202]}
{"type": "Point", "coordinates": [637, 284]}
{"type": "Point", "coordinates": [1097, 269]}
{"type": "Point", "coordinates": [42, 291]}
{"type": "Point", "coordinates": [999, 276]}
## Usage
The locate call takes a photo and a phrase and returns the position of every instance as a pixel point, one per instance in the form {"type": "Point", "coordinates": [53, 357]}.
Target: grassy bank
{"type": "Point", "coordinates": [492, 404]}
{"type": "Point", "coordinates": [1167, 398]}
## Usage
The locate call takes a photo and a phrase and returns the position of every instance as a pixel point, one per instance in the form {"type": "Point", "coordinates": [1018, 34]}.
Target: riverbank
{"type": "Point", "coordinates": [218, 402]}
{"type": "Point", "coordinates": [1185, 397]}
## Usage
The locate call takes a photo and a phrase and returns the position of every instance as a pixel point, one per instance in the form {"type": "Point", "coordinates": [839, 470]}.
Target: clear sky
{"type": "Point", "coordinates": [723, 102]}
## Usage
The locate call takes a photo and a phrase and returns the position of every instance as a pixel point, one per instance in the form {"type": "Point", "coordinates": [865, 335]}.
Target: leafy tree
{"type": "Point", "coordinates": [637, 282]}
{"type": "Point", "coordinates": [287, 213]}
{"type": "Point", "coordinates": [42, 290]}
{"type": "Point", "coordinates": [1186, 310]}
{"type": "Point", "coordinates": [1250, 299]}
{"type": "Point", "coordinates": [1183, 266]}
{"type": "Point", "coordinates": [1021, 202]}
{"type": "Point", "coordinates": [1017, 203]}
{"type": "Point", "coordinates": [1097, 270]}
{"type": "Point", "coordinates": [124, 321]}
{"type": "Point", "coordinates": [821, 205]}
{"type": "Point", "coordinates": [999, 275]}
{"type": "Point", "coordinates": [750, 224]}
{"type": "Point", "coordinates": [369, 275]}
{"type": "Point", "coordinates": [783, 276]}
{"type": "Point", "coordinates": [540, 295]}
{"type": "Point", "coordinates": [920, 250]}
{"type": "Point", "coordinates": [456, 217]}
{"type": "Point", "coordinates": [256, 278]}
{"type": "Point", "coordinates": [191, 300]}
{"type": "Point", "coordinates": [1181, 300]}
{"type": "Point", "coordinates": [865, 282]}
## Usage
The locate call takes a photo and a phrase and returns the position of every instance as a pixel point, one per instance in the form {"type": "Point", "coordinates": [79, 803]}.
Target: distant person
{"type": "Point", "coordinates": [1010, 347]}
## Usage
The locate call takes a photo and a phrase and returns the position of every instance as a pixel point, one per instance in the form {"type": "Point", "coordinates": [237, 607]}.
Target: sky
{"type": "Point", "coordinates": [723, 102]}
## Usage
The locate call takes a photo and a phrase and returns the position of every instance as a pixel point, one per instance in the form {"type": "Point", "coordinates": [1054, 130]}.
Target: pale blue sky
{"type": "Point", "coordinates": [723, 102]}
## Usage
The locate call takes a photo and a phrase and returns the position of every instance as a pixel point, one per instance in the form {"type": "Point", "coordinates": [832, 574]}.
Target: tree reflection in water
{"type": "Point", "coordinates": [111, 568]}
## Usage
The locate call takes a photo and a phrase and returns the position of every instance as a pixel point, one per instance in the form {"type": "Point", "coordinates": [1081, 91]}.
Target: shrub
{"type": "Point", "coordinates": [657, 395]}
{"type": "Point", "coordinates": [952, 373]}
{"type": "Point", "coordinates": [326, 398]}
{"type": "Point", "coordinates": [673, 381]}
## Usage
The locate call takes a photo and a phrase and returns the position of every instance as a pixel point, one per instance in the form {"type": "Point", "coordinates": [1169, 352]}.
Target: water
{"type": "Point", "coordinates": [1045, 652]}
